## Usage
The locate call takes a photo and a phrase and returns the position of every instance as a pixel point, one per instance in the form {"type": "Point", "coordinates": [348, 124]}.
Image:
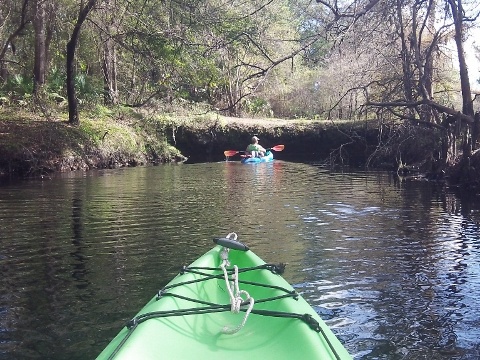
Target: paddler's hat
{"type": "Point", "coordinates": [255, 138]}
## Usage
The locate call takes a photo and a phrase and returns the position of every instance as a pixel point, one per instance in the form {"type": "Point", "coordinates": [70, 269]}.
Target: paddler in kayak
{"type": "Point", "coordinates": [254, 149]}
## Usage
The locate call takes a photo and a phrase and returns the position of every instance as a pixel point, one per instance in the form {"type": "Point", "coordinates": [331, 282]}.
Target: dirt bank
{"type": "Point", "coordinates": [31, 145]}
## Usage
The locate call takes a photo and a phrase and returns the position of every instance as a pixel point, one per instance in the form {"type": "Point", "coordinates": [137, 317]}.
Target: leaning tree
{"type": "Point", "coordinates": [409, 45]}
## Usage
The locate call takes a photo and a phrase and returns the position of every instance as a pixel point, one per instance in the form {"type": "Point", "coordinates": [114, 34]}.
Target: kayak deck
{"type": "Point", "coordinates": [188, 318]}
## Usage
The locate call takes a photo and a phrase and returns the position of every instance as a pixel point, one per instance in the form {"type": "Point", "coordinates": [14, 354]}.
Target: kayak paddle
{"type": "Point", "coordinates": [229, 153]}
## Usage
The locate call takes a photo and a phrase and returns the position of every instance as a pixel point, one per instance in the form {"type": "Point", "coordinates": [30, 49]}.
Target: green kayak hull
{"type": "Point", "coordinates": [174, 325]}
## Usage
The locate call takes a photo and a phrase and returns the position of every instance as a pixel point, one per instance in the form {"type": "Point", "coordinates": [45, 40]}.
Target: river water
{"type": "Point", "coordinates": [392, 266]}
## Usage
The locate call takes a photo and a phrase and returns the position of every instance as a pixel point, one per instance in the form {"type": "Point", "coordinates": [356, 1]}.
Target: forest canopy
{"type": "Point", "coordinates": [387, 60]}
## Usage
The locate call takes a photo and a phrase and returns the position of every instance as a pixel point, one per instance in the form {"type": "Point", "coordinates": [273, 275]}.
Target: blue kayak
{"type": "Point", "coordinates": [255, 160]}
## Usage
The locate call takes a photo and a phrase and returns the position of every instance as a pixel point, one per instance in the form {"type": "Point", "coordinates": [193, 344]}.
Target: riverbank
{"type": "Point", "coordinates": [36, 145]}
{"type": "Point", "coordinates": [33, 145]}
{"type": "Point", "coordinates": [347, 143]}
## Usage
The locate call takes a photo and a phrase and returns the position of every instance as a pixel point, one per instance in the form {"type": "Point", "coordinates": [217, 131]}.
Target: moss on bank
{"type": "Point", "coordinates": [32, 145]}
{"type": "Point", "coordinates": [346, 143]}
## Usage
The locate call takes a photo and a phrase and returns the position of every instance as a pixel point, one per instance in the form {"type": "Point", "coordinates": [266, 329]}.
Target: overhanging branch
{"type": "Point", "coordinates": [439, 107]}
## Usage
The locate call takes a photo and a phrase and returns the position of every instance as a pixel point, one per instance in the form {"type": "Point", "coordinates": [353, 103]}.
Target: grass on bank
{"type": "Point", "coordinates": [32, 144]}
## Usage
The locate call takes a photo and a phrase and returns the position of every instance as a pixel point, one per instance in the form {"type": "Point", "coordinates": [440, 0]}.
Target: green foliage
{"type": "Point", "coordinates": [100, 111]}
{"type": "Point", "coordinates": [198, 50]}
{"type": "Point", "coordinates": [110, 137]}
{"type": "Point", "coordinates": [56, 80]}
{"type": "Point", "coordinates": [17, 87]}
{"type": "Point", "coordinates": [257, 106]}
{"type": "Point", "coordinates": [89, 89]}
{"type": "Point", "coordinates": [93, 130]}
{"type": "Point", "coordinates": [248, 57]}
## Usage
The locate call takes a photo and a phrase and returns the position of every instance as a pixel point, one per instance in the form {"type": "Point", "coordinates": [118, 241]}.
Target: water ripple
{"type": "Point", "coordinates": [393, 268]}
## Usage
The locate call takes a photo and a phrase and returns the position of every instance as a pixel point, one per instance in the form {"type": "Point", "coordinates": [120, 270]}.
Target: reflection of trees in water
{"type": "Point", "coordinates": [404, 262]}
{"type": "Point", "coordinates": [467, 205]}
{"type": "Point", "coordinates": [397, 263]}
{"type": "Point", "coordinates": [79, 271]}
{"type": "Point", "coordinates": [434, 270]}
{"type": "Point", "coordinates": [258, 197]}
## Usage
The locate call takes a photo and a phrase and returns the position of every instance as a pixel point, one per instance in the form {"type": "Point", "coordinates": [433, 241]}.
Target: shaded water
{"type": "Point", "coordinates": [393, 267]}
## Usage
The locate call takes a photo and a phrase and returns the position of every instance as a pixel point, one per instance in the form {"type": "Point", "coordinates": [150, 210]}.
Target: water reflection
{"type": "Point", "coordinates": [392, 266]}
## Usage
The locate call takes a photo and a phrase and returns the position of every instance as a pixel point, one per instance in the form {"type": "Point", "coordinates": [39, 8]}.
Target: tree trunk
{"type": "Point", "coordinates": [71, 96]}
{"type": "Point", "coordinates": [109, 63]}
{"type": "Point", "coordinates": [9, 43]}
{"type": "Point", "coordinates": [109, 67]}
{"type": "Point", "coordinates": [458, 13]}
{"type": "Point", "coordinates": [428, 72]}
{"type": "Point", "coordinates": [467, 108]}
{"type": "Point", "coordinates": [71, 45]}
{"type": "Point", "coordinates": [39, 67]}
{"type": "Point", "coordinates": [406, 61]}
{"type": "Point", "coordinates": [52, 9]}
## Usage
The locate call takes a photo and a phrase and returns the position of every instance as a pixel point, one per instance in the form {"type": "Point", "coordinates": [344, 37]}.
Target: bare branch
{"type": "Point", "coordinates": [441, 108]}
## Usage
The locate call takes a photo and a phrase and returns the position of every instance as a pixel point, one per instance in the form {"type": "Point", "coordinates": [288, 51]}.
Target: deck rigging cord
{"type": "Point", "coordinates": [236, 299]}
{"type": "Point", "coordinates": [240, 300]}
